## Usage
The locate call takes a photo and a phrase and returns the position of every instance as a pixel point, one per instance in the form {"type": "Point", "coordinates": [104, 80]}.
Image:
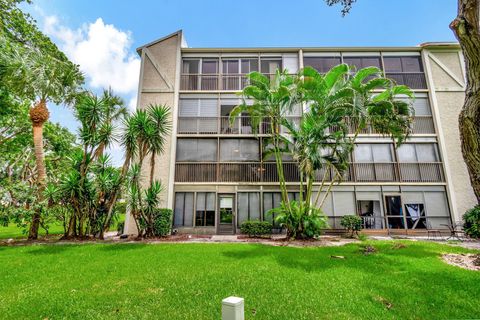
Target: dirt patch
{"type": "Point", "coordinates": [467, 261]}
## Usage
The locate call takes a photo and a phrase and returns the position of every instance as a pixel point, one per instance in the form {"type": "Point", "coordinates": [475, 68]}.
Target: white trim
{"type": "Point", "coordinates": [321, 54]}
{"type": "Point", "coordinates": [439, 129]}
{"type": "Point", "coordinates": [446, 69]}
{"type": "Point", "coordinates": [401, 53]}
{"type": "Point", "coordinates": [140, 80]}
{"type": "Point", "coordinates": [173, 142]}
{"type": "Point", "coordinates": [361, 54]}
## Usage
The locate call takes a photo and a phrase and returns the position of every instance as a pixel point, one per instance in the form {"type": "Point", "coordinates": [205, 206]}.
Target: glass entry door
{"type": "Point", "coordinates": [226, 216]}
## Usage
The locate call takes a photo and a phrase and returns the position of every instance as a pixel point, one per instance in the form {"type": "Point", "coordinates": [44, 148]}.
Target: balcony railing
{"type": "Point", "coordinates": [236, 82]}
{"type": "Point", "coordinates": [243, 125]}
{"type": "Point", "coordinates": [414, 80]}
{"type": "Point", "coordinates": [267, 172]}
{"type": "Point", "coordinates": [215, 81]}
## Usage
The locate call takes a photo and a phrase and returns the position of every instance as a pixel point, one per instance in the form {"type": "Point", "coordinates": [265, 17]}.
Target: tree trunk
{"type": "Point", "coordinates": [467, 30]}
{"type": "Point", "coordinates": [38, 116]}
{"type": "Point", "coordinates": [152, 168]}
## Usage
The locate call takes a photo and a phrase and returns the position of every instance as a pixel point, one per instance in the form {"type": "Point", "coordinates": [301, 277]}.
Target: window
{"type": "Point", "coordinates": [198, 108]}
{"type": "Point", "coordinates": [362, 62]}
{"type": "Point", "coordinates": [321, 64]}
{"type": "Point", "coordinates": [196, 150]}
{"type": "Point", "coordinates": [271, 200]}
{"type": "Point", "coordinates": [183, 213]}
{"type": "Point", "coordinates": [209, 66]}
{"type": "Point", "coordinates": [230, 66]}
{"type": "Point", "coordinates": [420, 152]}
{"type": "Point", "coordinates": [270, 66]}
{"type": "Point", "coordinates": [190, 66]}
{"type": "Point", "coordinates": [394, 212]}
{"type": "Point", "coordinates": [239, 150]}
{"type": "Point", "coordinates": [248, 206]}
{"type": "Point", "coordinates": [403, 64]}
{"type": "Point", "coordinates": [205, 211]}
{"type": "Point", "coordinates": [380, 152]}
{"type": "Point", "coordinates": [406, 70]}
{"type": "Point", "coordinates": [249, 65]}
{"type": "Point", "coordinates": [415, 215]}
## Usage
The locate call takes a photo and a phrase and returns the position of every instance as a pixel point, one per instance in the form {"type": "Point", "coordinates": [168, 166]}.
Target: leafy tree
{"type": "Point", "coordinates": [320, 141]}
{"type": "Point", "coordinates": [18, 191]}
{"type": "Point", "coordinates": [466, 27]}
{"type": "Point", "coordinates": [144, 134]}
{"type": "Point", "coordinates": [33, 68]}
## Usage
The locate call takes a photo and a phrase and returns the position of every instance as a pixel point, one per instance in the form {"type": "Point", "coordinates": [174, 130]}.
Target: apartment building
{"type": "Point", "coordinates": [216, 176]}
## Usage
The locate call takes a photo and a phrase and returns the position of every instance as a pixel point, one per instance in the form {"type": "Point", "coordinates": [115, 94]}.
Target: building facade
{"type": "Point", "coordinates": [217, 177]}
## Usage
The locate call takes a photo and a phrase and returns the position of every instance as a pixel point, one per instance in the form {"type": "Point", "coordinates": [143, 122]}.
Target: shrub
{"type": "Point", "coordinates": [471, 224]}
{"type": "Point", "coordinates": [120, 227]}
{"type": "Point", "coordinates": [162, 222]}
{"type": "Point", "coordinates": [300, 219]}
{"type": "Point", "coordinates": [255, 228]}
{"type": "Point", "coordinates": [352, 223]}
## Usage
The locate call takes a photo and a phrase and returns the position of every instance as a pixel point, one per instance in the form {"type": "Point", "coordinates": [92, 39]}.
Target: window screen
{"type": "Point", "coordinates": [406, 153]}
{"type": "Point", "coordinates": [270, 200]}
{"type": "Point", "coordinates": [248, 206]}
{"type": "Point", "coordinates": [183, 213]}
{"type": "Point", "coordinates": [190, 66]}
{"type": "Point", "coordinates": [249, 65]}
{"type": "Point", "coordinates": [270, 65]}
{"type": "Point", "coordinates": [196, 150]}
{"type": "Point", "coordinates": [402, 64]}
{"type": "Point", "coordinates": [198, 108]}
{"type": "Point", "coordinates": [321, 64]}
{"type": "Point", "coordinates": [239, 150]}
{"type": "Point", "coordinates": [205, 211]}
{"type": "Point", "coordinates": [363, 153]}
{"type": "Point", "coordinates": [362, 62]}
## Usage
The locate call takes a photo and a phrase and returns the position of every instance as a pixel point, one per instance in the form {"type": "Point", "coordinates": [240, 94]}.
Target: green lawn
{"type": "Point", "coordinates": [13, 231]}
{"type": "Point", "coordinates": [188, 281]}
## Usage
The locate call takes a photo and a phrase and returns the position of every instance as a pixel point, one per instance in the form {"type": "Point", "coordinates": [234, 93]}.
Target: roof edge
{"type": "Point", "coordinates": [176, 33]}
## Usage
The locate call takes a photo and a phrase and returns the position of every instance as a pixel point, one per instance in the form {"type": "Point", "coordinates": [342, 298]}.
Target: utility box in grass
{"type": "Point", "coordinates": [233, 309]}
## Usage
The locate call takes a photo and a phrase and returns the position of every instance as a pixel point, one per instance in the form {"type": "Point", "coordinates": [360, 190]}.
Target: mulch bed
{"type": "Point", "coordinates": [467, 261]}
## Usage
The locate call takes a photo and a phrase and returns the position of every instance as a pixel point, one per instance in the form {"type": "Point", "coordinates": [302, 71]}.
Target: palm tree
{"type": "Point", "coordinates": [160, 116]}
{"type": "Point", "coordinates": [274, 98]}
{"type": "Point", "coordinates": [41, 78]}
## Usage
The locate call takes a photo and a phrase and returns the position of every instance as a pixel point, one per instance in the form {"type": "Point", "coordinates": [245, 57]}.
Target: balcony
{"type": "Point", "coordinates": [420, 125]}
{"type": "Point", "coordinates": [221, 125]}
{"type": "Point", "coordinates": [215, 82]}
{"type": "Point", "coordinates": [414, 80]}
{"type": "Point", "coordinates": [243, 126]}
{"type": "Point", "coordinates": [258, 172]}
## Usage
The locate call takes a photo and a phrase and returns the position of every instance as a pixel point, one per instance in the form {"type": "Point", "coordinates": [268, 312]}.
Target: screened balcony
{"type": "Point", "coordinates": [242, 125]}
{"type": "Point", "coordinates": [257, 172]}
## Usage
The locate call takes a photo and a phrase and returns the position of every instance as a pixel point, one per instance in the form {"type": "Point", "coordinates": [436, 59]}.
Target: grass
{"type": "Point", "coordinates": [188, 281]}
{"type": "Point", "coordinates": [15, 232]}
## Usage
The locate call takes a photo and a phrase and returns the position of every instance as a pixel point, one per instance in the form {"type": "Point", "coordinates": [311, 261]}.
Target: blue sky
{"type": "Point", "coordinates": [102, 35]}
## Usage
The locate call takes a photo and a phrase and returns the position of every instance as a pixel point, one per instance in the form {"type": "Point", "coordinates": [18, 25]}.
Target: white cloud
{"type": "Point", "coordinates": [101, 50]}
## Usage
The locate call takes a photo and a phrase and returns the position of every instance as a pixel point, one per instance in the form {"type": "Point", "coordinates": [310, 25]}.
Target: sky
{"type": "Point", "coordinates": [102, 35]}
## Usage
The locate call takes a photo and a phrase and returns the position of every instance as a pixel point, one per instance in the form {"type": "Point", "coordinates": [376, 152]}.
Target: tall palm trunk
{"type": "Point", "coordinates": [38, 116]}
{"type": "Point", "coordinates": [152, 167]}
{"type": "Point", "coordinates": [466, 27]}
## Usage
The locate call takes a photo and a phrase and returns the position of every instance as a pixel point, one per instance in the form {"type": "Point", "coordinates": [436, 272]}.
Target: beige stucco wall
{"type": "Point", "coordinates": [447, 99]}
{"type": "Point", "coordinates": [157, 84]}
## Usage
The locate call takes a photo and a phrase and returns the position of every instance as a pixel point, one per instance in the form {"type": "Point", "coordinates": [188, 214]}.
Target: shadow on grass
{"type": "Point", "coordinates": [49, 249]}
{"type": "Point", "coordinates": [117, 247]}
{"type": "Point", "coordinates": [322, 258]}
